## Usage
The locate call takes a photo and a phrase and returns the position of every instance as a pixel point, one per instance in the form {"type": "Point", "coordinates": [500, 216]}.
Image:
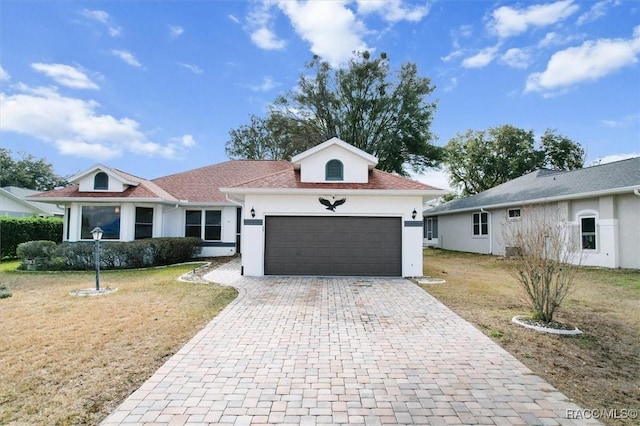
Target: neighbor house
{"type": "Point", "coordinates": [327, 212]}
{"type": "Point", "coordinates": [13, 202]}
{"type": "Point", "coordinates": [600, 205]}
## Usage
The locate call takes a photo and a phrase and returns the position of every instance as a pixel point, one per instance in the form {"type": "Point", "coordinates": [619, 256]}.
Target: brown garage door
{"type": "Point", "coordinates": [325, 245]}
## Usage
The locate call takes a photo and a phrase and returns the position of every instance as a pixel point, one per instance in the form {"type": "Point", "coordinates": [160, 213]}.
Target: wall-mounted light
{"type": "Point", "coordinates": [414, 213]}
{"type": "Point", "coordinates": [116, 210]}
{"type": "Point", "coordinates": [253, 212]}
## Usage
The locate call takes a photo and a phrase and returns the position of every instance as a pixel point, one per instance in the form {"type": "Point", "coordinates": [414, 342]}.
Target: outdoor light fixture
{"type": "Point", "coordinates": [253, 212]}
{"type": "Point", "coordinates": [413, 214]}
{"type": "Point", "coordinates": [97, 236]}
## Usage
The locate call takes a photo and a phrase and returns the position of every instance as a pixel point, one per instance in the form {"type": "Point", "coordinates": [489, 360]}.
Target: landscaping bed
{"type": "Point", "coordinates": [599, 369]}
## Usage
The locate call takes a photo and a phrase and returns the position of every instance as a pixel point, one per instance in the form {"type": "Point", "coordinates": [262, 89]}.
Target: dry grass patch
{"type": "Point", "coordinates": [71, 360]}
{"type": "Point", "coordinates": [599, 369]}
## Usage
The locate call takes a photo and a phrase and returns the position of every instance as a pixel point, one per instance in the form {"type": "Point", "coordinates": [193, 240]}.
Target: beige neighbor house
{"type": "Point", "coordinates": [327, 212]}
{"type": "Point", "coordinates": [600, 204]}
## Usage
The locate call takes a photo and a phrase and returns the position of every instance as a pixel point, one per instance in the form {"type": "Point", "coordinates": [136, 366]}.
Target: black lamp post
{"type": "Point", "coordinates": [97, 236]}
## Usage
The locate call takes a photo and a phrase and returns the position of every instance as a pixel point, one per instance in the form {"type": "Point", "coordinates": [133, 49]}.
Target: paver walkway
{"type": "Point", "coordinates": [314, 351]}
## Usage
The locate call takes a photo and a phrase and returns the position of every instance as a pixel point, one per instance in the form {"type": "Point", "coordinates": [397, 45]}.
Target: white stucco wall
{"type": "Point", "coordinates": [312, 168]}
{"type": "Point", "coordinates": [10, 207]}
{"type": "Point", "coordinates": [628, 208]}
{"type": "Point", "coordinates": [455, 232]}
{"type": "Point", "coordinates": [253, 242]}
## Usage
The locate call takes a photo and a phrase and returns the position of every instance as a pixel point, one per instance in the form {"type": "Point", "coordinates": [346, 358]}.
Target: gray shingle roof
{"type": "Point", "coordinates": [544, 184]}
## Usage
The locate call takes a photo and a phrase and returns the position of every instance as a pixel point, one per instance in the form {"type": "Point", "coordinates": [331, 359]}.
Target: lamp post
{"type": "Point", "coordinates": [97, 236]}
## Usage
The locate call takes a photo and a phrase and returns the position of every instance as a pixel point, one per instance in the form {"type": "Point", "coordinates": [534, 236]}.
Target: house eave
{"type": "Point", "coordinates": [101, 200]}
{"type": "Point", "coordinates": [566, 197]}
{"type": "Point", "coordinates": [333, 191]}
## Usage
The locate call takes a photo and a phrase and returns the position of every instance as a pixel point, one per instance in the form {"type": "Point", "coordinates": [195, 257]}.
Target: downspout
{"type": "Point", "coordinates": [164, 226]}
{"type": "Point", "coordinates": [637, 191]}
{"type": "Point", "coordinates": [490, 229]}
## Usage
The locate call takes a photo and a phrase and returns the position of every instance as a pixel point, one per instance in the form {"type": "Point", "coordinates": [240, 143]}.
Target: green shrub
{"type": "Point", "coordinates": [36, 255]}
{"type": "Point", "coordinates": [5, 292]}
{"type": "Point", "coordinates": [16, 230]}
{"type": "Point", "coordinates": [125, 255]}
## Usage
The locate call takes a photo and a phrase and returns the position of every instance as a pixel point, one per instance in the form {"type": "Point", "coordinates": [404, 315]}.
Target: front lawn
{"type": "Point", "coordinates": [599, 369]}
{"type": "Point", "coordinates": [71, 360]}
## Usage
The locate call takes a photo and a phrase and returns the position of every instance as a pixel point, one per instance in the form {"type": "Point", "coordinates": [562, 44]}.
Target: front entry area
{"type": "Point", "coordinates": [333, 246]}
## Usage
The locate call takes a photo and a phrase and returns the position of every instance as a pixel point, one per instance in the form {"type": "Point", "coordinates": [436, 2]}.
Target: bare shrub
{"type": "Point", "coordinates": [545, 252]}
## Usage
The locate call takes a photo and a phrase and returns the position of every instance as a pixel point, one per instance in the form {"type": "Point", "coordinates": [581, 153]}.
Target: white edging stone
{"type": "Point", "coordinates": [518, 321]}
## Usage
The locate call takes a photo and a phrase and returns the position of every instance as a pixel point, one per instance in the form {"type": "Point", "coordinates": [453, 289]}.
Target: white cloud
{"type": "Point", "coordinates": [187, 141]}
{"type": "Point", "coordinates": [625, 121]}
{"type": "Point", "coordinates": [332, 29]}
{"type": "Point", "coordinates": [266, 85]}
{"type": "Point", "coordinates": [482, 58]}
{"type": "Point", "coordinates": [66, 75]}
{"type": "Point", "coordinates": [127, 57]}
{"type": "Point", "coordinates": [508, 21]}
{"type": "Point", "coordinates": [597, 11]}
{"type": "Point", "coordinates": [613, 158]}
{"type": "Point", "coordinates": [175, 30]}
{"type": "Point", "coordinates": [234, 19]}
{"type": "Point", "coordinates": [393, 10]}
{"type": "Point", "coordinates": [434, 177]}
{"type": "Point", "coordinates": [4, 75]}
{"type": "Point", "coordinates": [265, 39]}
{"type": "Point", "coordinates": [588, 62]}
{"type": "Point", "coordinates": [193, 68]}
{"type": "Point", "coordinates": [451, 84]}
{"type": "Point", "coordinates": [516, 58]}
{"type": "Point", "coordinates": [104, 18]}
{"type": "Point", "coordinates": [74, 125]}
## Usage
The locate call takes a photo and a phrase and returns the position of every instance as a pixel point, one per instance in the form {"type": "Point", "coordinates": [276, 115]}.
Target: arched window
{"type": "Point", "coordinates": [334, 170]}
{"type": "Point", "coordinates": [101, 181]}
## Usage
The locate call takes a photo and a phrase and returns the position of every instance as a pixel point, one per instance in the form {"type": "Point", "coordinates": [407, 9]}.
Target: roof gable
{"type": "Point", "coordinates": [370, 159]}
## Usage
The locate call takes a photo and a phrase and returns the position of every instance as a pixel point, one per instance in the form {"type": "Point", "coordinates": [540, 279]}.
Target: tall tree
{"type": "Point", "coordinates": [27, 172]}
{"type": "Point", "coordinates": [561, 152]}
{"type": "Point", "coordinates": [382, 112]}
{"type": "Point", "coordinates": [479, 160]}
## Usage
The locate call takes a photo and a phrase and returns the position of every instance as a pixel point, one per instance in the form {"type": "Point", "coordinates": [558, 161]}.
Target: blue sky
{"type": "Point", "coordinates": [153, 88]}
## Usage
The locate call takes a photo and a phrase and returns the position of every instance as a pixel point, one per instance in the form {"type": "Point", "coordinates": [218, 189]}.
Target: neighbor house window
{"type": "Point", "coordinates": [431, 228]}
{"type": "Point", "coordinates": [588, 232]}
{"type": "Point", "coordinates": [480, 224]}
{"type": "Point", "coordinates": [212, 221]}
{"type": "Point", "coordinates": [513, 213]}
{"type": "Point", "coordinates": [106, 217]}
{"type": "Point", "coordinates": [101, 181]}
{"type": "Point", "coordinates": [334, 170]}
{"type": "Point", "coordinates": [144, 223]}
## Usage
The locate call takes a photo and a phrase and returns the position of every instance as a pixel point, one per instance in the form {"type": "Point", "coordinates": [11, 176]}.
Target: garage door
{"type": "Point", "coordinates": [366, 246]}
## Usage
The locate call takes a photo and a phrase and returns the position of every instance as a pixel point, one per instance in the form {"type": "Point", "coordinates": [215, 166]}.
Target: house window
{"type": "Point", "coordinates": [212, 229]}
{"type": "Point", "coordinates": [106, 217]}
{"type": "Point", "coordinates": [480, 224]}
{"type": "Point", "coordinates": [144, 223]}
{"type": "Point", "coordinates": [334, 170]}
{"type": "Point", "coordinates": [588, 233]}
{"type": "Point", "coordinates": [101, 181]}
{"type": "Point", "coordinates": [431, 228]}
{"type": "Point", "coordinates": [513, 213]}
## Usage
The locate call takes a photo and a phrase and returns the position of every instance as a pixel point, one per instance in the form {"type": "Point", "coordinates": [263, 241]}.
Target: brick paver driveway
{"type": "Point", "coordinates": [315, 351]}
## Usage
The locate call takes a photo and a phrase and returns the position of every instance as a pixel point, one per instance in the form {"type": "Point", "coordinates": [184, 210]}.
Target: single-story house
{"type": "Point", "coordinates": [327, 212]}
{"type": "Point", "coordinates": [13, 203]}
{"type": "Point", "coordinates": [600, 205]}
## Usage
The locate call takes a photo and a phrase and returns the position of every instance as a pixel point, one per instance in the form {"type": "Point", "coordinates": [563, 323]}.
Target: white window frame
{"type": "Point", "coordinates": [480, 222]}
{"type": "Point", "coordinates": [203, 225]}
{"type": "Point", "coordinates": [594, 233]}
{"type": "Point", "coordinates": [514, 217]}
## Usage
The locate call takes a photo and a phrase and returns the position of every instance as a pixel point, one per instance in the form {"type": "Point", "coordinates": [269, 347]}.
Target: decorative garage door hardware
{"type": "Point", "coordinates": [332, 206]}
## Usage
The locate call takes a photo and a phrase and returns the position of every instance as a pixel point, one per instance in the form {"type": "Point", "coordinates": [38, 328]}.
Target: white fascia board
{"type": "Point", "coordinates": [101, 200]}
{"type": "Point", "coordinates": [324, 191]}
{"type": "Point", "coordinates": [583, 195]}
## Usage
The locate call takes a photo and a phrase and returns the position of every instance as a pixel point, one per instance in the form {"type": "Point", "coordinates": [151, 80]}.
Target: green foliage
{"type": "Point", "coordinates": [382, 112]}
{"type": "Point", "coordinates": [40, 249]}
{"type": "Point", "coordinates": [27, 172]}
{"type": "Point", "coordinates": [5, 291]}
{"type": "Point", "coordinates": [16, 230]}
{"type": "Point", "coordinates": [125, 255]}
{"type": "Point", "coordinates": [480, 160]}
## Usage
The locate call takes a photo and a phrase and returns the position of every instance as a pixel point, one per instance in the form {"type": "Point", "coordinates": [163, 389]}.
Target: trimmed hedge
{"type": "Point", "coordinates": [16, 230]}
{"type": "Point", "coordinates": [119, 255]}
